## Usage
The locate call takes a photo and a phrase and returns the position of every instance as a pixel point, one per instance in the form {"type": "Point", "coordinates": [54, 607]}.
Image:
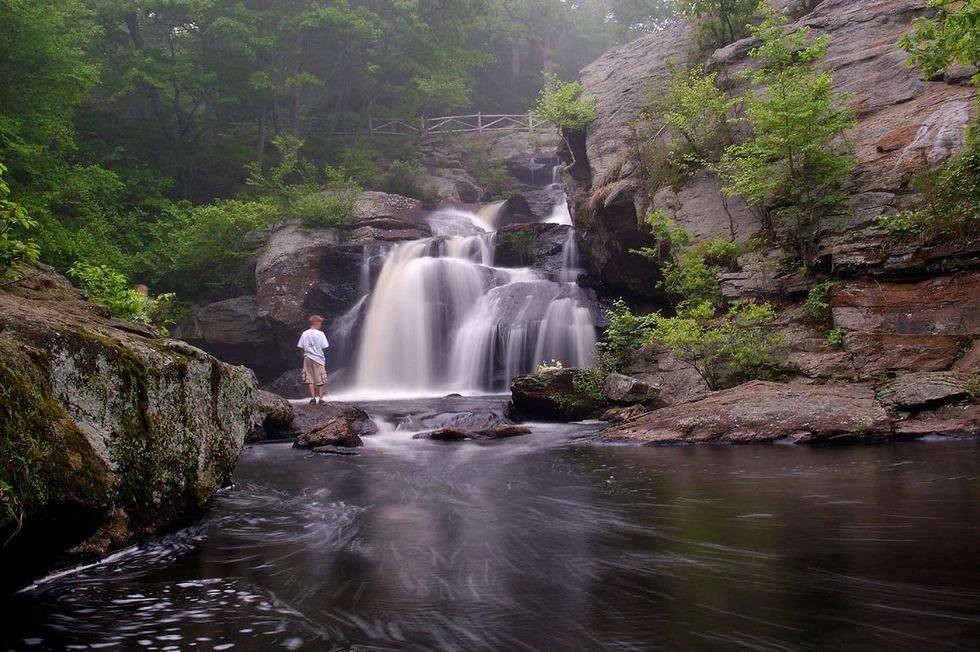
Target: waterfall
{"type": "Point", "coordinates": [441, 318]}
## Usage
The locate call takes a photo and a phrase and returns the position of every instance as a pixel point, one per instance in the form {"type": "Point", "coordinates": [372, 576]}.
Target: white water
{"type": "Point", "coordinates": [441, 318]}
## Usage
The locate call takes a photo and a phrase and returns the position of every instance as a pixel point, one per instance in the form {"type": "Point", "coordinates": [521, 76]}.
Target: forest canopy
{"type": "Point", "coordinates": [118, 119]}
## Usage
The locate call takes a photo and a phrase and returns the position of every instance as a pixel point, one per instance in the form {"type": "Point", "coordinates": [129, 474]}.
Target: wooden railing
{"type": "Point", "coordinates": [455, 124]}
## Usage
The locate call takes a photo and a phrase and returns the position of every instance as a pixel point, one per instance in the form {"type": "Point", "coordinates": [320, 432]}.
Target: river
{"type": "Point", "coordinates": [548, 543]}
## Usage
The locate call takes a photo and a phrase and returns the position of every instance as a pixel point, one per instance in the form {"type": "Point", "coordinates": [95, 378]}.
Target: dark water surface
{"type": "Point", "coordinates": [544, 543]}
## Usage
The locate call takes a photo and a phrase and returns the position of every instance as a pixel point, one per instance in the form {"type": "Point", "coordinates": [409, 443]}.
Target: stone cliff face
{"type": "Point", "coordinates": [900, 119]}
{"type": "Point", "coordinates": [108, 432]}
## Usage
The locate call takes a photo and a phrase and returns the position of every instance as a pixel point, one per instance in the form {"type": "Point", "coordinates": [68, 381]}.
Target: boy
{"type": "Point", "coordinates": [313, 342]}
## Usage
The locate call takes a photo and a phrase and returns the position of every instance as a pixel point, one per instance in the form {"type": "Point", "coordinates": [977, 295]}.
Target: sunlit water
{"type": "Point", "coordinates": [546, 543]}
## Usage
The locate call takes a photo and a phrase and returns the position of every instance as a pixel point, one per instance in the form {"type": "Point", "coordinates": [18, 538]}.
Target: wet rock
{"type": "Point", "coordinates": [336, 450]}
{"type": "Point", "coordinates": [539, 246]}
{"type": "Point", "coordinates": [623, 389]}
{"type": "Point", "coordinates": [920, 391]}
{"type": "Point", "coordinates": [951, 421]}
{"type": "Point", "coordinates": [333, 424]}
{"type": "Point", "coordinates": [468, 421]}
{"type": "Point", "coordinates": [384, 217]}
{"type": "Point", "coordinates": [515, 210]}
{"type": "Point", "coordinates": [532, 169]}
{"type": "Point", "coordinates": [764, 412]}
{"type": "Point", "coordinates": [120, 433]}
{"type": "Point", "coordinates": [458, 434]}
{"type": "Point", "coordinates": [550, 396]}
{"type": "Point", "coordinates": [277, 417]}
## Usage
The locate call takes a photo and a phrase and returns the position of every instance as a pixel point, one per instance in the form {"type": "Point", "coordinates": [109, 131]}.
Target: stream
{"type": "Point", "coordinates": [547, 542]}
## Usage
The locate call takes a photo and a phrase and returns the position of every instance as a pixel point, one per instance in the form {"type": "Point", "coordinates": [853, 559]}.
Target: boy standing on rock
{"type": "Point", "coordinates": [313, 342]}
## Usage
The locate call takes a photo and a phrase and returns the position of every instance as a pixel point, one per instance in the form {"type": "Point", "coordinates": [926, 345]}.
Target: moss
{"type": "Point", "coordinates": [44, 457]}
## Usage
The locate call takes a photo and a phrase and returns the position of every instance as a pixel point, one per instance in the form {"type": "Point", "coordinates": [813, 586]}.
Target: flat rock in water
{"type": "Point", "coordinates": [456, 434]}
{"type": "Point", "coordinates": [764, 412]}
{"type": "Point", "coordinates": [333, 424]}
{"type": "Point", "coordinates": [335, 450]}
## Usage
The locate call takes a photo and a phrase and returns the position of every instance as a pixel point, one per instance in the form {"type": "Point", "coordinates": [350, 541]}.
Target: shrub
{"type": "Point", "coordinates": [625, 334]}
{"type": "Point", "coordinates": [407, 178]}
{"type": "Point", "coordinates": [108, 287]}
{"type": "Point", "coordinates": [522, 242]}
{"type": "Point", "coordinates": [817, 303]}
{"type": "Point", "coordinates": [591, 382]}
{"type": "Point", "coordinates": [741, 346]}
{"type": "Point", "coordinates": [16, 251]}
{"type": "Point", "coordinates": [947, 205]}
{"type": "Point", "coordinates": [835, 339]}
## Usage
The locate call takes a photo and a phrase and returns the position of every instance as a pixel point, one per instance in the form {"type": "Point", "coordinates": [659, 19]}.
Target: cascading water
{"type": "Point", "coordinates": [442, 318]}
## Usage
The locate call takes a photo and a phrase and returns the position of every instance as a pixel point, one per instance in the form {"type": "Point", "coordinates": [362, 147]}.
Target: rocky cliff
{"type": "Point", "coordinates": [900, 118]}
{"type": "Point", "coordinates": [108, 432]}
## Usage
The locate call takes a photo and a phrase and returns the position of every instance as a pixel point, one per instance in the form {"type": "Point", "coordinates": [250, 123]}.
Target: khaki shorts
{"type": "Point", "coordinates": [314, 373]}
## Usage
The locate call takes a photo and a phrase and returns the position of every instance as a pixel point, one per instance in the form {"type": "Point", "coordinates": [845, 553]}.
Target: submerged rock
{"type": "Point", "coordinates": [764, 412]}
{"type": "Point", "coordinates": [550, 396]}
{"type": "Point", "coordinates": [458, 434]}
{"type": "Point", "coordinates": [109, 433]}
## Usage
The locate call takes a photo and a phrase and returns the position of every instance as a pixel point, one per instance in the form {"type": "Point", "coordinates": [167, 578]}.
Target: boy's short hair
{"type": "Point", "coordinates": [315, 319]}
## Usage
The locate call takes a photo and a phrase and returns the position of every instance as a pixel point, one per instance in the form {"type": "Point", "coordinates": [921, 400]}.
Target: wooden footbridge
{"type": "Point", "coordinates": [455, 124]}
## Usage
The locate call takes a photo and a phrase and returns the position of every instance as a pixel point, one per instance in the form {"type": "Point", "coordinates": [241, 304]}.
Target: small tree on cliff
{"type": "Point", "coordinates": [561, 104]}
{"type": "Point", "coordinates": [719, 22]}
{"type": "Point", "coordinates": [951, 37]}
{"type": "Point", "coordinates": [796, 161]}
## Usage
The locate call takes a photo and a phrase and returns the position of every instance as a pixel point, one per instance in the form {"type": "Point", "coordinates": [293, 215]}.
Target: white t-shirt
{"type": "Point", "coordinates": [313, 342]}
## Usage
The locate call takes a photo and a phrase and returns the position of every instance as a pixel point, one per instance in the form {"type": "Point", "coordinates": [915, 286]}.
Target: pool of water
{"type": "Point", "coordinates": [547, 543]}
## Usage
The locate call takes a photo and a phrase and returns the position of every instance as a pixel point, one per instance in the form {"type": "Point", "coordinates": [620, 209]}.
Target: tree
{"type": "Point", "coordinates": [950, 37]}
{"type": "Point", "coordinates": [796, 161]}
{"type": "Point", "coordinates": [719, 22]}
{"type": "Point", "coordinates": [16, 251]}
{"type": "Point", "coordinates": [561, 104]}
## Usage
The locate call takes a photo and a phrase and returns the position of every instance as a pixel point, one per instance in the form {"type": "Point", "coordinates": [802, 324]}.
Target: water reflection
{"type": "Point", "coordinates": [539, 544]}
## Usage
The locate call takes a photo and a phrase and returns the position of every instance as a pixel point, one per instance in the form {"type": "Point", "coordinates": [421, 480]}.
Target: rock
{"type": "Point", "coordinates": [551, 396]}
{"type": "Point", "coordinates": [277, 417]}
{"type": "Point", "coordinates": [232, 331]}
{"type": "Point", "coordinates": [467, 421]}
{"type": "Point", "coordinates": [287, 272]}
{"type": "Point", "coordinates": [924, 390]}
{"type": "Point", "coordinates": [533, 169]}
{"type": "Point", "coordinates": [907, 326]}
{"type": "Point", "coordinates": [764, 412]}
{"type": "Point", "coordinates": [676, 381]}
{"type": "Point", "coordinates": [458, 434]}
{"type": "Point", "coordinates": [950, 421]}
{"type": "Point", "coordinates": [514, 210]}
{"type": "Point", "coordinates": [383, 217]}
{"type": "Point", "coordinates": [119, 433]}
{"type": "Point", "coordinates": [627, 390]}
{"type": "Point", "coordinates": [900, 118]}
{"type": "Point", "coordinates": [969, 360]}
{"type": "Point", "coordinates": [539, 246]}
{"type": "Point", "coordinates": [336, 450]}
{"type": "Point", "coordinates": [289, 384]}
{"type": "Point", "coordinates": [333, 424]}
{"type": "Point", "coordinates": [623, 413]}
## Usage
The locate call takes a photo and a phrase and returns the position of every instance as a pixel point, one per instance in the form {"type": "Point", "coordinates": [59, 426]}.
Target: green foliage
{"type": "Point", "coordinates": [199, 251]}
{"type": "Point", "coordinates": [591, 383]}
{"type": "Point", "coordinates": [625, 333]}
{"type": "Point", "coordinates": [10, 507]}
{"type": "Point", "coordinates": [521, 242]}
{"type": "Point", "coordinates": [719, 22]}
{"type": "Point", "coordinates": [947, 204]}
{"type": "Point", "coordinates": [972, 387]}
{"type": "Point", "coordinates": [561, 104]}
{"type": "Point", "coordinates": [691, 281]}
{"type": "Point", "coordinates": [16, 251]}
{"type": "Point", "coordinates": [817, 303]}
{"type": "Point", "coordinates": [741, 346]}
{"type": "Point", "coordinates": [695, 110]}
{"type": "Point", "coordinates": [835, 339]}
{"type": "Point", "coordinates": [407, 178]}
{"type": "Point", "coordinates": [793, 166]}
{"type": "Point", "coordinates": [108, 287]}
{"type": "Point", "coordinates": [950, 37]}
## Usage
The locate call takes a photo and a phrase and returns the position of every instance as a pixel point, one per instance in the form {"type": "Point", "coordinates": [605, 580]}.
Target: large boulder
{"type": "Point", "coordinates": [333, 424]}
{"type": "Point", "coordinates": [232, 330]}
{"type": "Point", "coordinates": [764, 412]}
{"type": "Point", "coordinates": [109, 432]}
{"type": "Point", "coordinates": [383, 217]}
{"type": "Point", "coordinates": [626, 390]}
{"type": "Point", "coordinates": [550, 395]}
